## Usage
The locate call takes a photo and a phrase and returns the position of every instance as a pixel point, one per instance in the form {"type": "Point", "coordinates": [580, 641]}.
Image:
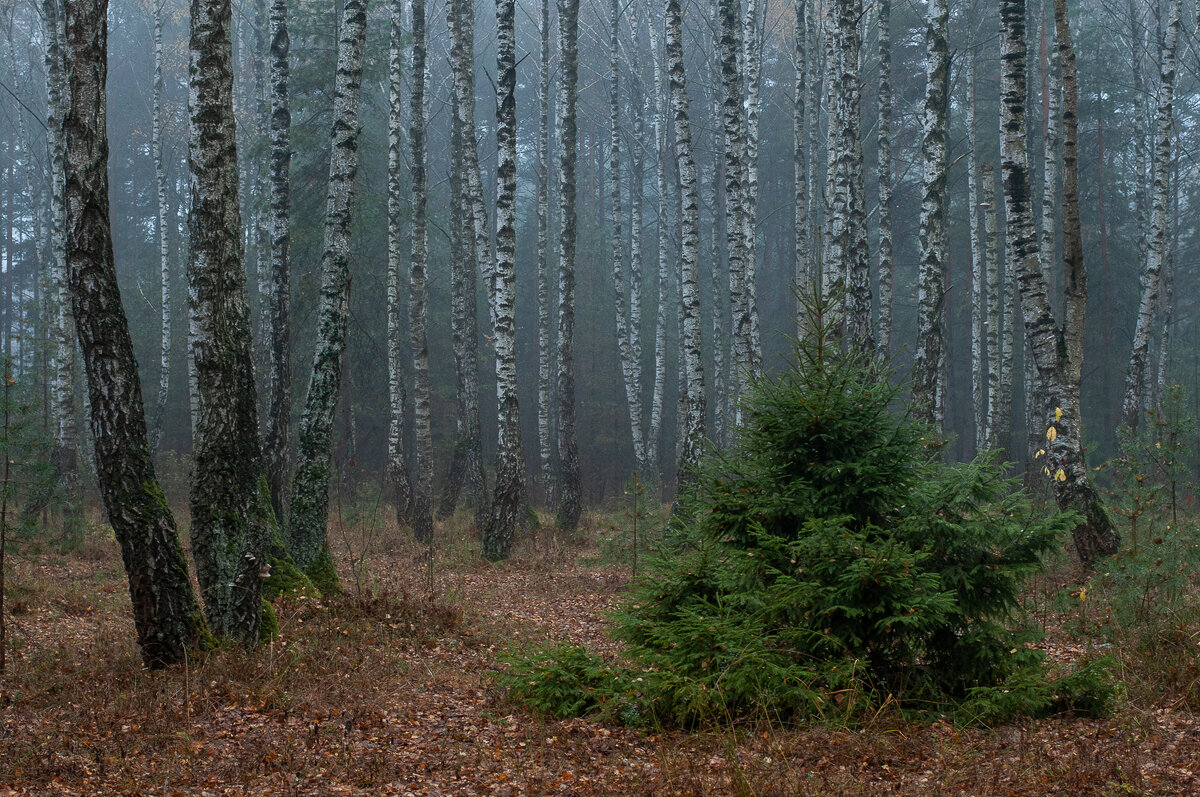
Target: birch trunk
{"type": "Point", "coordinates": [569, 480]}
{"type": "Point", "coordinates": [799, 166]}
{"type": "Point", "coordinates": [65, 457]}
{"type": "Point", "coordinates": [545, 332]}
{"type": "Point", "coordinates": [165, 611]}
{"type": "Point", "coordinates": [752, 63]}
{"type": "Point", "coordinates": [887, 273]}
{"type": "Point", "coordinates": [1057, 353]}
{"type": "Point", "coordinates": [979, 266]}
{"type": "Point", "coordinates": [466, 467]}
{"type": "Point", "coordinates": [689, 221]}
{"type": "Point", "coordinates": [164, 261]}
{"type": "Point", "coordinates": [1156, 249]}
{"type": "Point", "coordinates": [397, 469]}
{"type": "Point", "coordinates": [997, 324]}
{"type": "Point", "coordinates": [929, 365]}
{"type": "Point", "coordinates": [654, 438]}
{"type": "Point", "coordinates": [232, 524]}
{"type": "Point", "coordinates": [277, 324]}
{"type": "Point", "coordinates": [310, 484]}
{"type": "Point", "coordinates": [509, 497]}
{"type": "Point", "coordinates": [733, 146]}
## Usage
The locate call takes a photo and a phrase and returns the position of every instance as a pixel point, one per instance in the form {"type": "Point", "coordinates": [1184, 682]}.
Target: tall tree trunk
{"type": "Point", "coordinates": [1057, 352]}
{"type": "Point", "coordinates": [232, 524]}
{"type": "Point", "coordinates": [752, 64]}
{"type": "Point", "coordinates": [397, 469]}
{"type": "Point", "coordinates": [164, 260]}
{"type": "Point", "coordinates": [466, 467]}
{"type": "Point", "coordinates": [569, 480]}
{"type": "Point", "coordinates": [65, 456]}
{"type": "Point", "coordinates": [887, 275]}
{"type": "Point", "coordinates": [310, 484]}
{"type": "Point", "coordinates": [624, 298]}
{"type": "Point", "coordinates": [663, 273]}
{"type": "Point", "coordinates": [277, 324]}
{"type": "Point", "coordinates": [165, 611]}
{"type": "Point", "coordinates": [545, 331]}
{"type": "Point", "coordinates": [689, 222]}
{"type": "Point", "coordinates": [979, 266]}
{"type": "Point", "coordinates": [509, 497]}
{"type": "Point", "coordinates": [799, 165]}
{"type": "Point", "coordinates": [928, 386]}
{"type": "Point", "coordinates": [1156, 249]}
{"type": "Point", "coordinates": [997, 324]}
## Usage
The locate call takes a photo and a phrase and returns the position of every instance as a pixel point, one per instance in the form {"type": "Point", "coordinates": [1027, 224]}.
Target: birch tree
{"type": "Point", "coordinates": [887, 275]}
{"type": "Point", "coordinates": [1156, 248]}
{"type": "Point", "coordinates": [979, 266]}
{"type": "Point", "coordinates": [689, 249]}
{"type": "Point", "coordinates": [662, 278]}
{"type": "Point", "coordinates": [569, 478]}
{"type": "Point", "coordinates": [232, 523]}
{"type": "Point", "coordinates": [166, 615]}
{"type": "Point", "coordinates": [1056, 351]}
{"type": "Point", "coordinates": [998, 324]}
{"type": "Point", "coordinates": [929, 364]}
{"type": "Point", "coordinates": [164, 260]}
{"type": "Point", "coordinates": [545, 330]}
{"type": "Point", "coordinates": [799, 165]}
{"type": "Point", "coordinates": [310, 484]}
{"type": "Point", "coordinates": [277, 326]}
{"type": "Point", "coordinates": [509, 497]}
{"type": "Point", "coordinates": [396, 469]}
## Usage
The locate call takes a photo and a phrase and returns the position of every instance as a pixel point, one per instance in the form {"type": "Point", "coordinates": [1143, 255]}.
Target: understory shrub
{"type": "Point", "coordinates": [826, 564]}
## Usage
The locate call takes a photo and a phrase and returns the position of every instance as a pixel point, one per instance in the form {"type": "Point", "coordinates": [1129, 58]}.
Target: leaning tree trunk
{"type": "Point", "coordinates": [310, 484]}
{"type": "Point", "coordinates": [545, 332]}
{"type": "Point", "coordinates": [65, 456]}
{"type": "Point", "coordinates": [887, 275]}
{"type": "Point", "coordinates": [1156, 249]}
{"type": "Point", "coordinates": [1057, 353]}
{"type": "Point", "coordinates": [164, 260]}
{"type": "Point", "coordinates": [929, 365]}
{"type": "Point", "coordinates": [232, 526]}
{"type": "Point", "coordinates": [509, 497]}
{"type": "Point", "coordinates": [165, 611]}
{"type": "Point", "coordinates": [689, 222]}
{"type": "Point", "coordinates": [396, 468]}
{"type": "Point", "coordinates": [277, 329]}
{"type": "Point", "coordinates": [569, 479]}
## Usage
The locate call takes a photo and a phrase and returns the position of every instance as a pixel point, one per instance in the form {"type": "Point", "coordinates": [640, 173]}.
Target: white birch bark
{"type": "Point", "coordinates": [164, 260]}
{"type": "Point", "coordinates": [1156, 248]}
{"type": "Point", "coordinates": [752, 55]}
{"type": "Point", "coordinates": [929, 359]}
{"type": "Point", "coordinates": [979, 265]}
{"type": "Point", "coordinates": [995, 434]}
{"type": "Point", "coordinates": [799, 165]}
{"type": "Point", "coordinates": [887, 275]}
{"type": "Point", "coordinates": [509, 497]}
{"type": "Point", "coordinates": [545, 331]}
{"type": "Point", "coordinates": [662, 278]}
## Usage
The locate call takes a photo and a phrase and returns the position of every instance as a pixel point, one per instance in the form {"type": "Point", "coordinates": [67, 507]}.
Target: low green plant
{"type": "Point", "coordinates": [828, 563]}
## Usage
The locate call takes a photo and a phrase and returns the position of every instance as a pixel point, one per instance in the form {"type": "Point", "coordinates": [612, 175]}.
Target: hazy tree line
{"type": "Point", "coordinates": [502, 256]}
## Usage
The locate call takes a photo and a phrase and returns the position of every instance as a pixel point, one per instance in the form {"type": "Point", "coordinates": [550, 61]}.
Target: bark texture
{"type": "Point", "coordinates": [310, 484]}
{"type": "Point", "coordinates": [165, 611]}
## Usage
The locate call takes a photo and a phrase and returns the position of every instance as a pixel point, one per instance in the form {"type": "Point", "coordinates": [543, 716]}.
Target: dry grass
{"type": "Point", "coordinates": [385, 690]}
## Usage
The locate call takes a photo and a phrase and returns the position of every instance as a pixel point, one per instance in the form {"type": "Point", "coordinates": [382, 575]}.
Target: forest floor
{"type": "Point", "coordinates": [381, 692]}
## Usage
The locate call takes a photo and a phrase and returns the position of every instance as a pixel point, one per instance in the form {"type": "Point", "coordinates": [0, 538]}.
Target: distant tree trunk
{"type": "Point", "coordinates": [626, 297]}
{"type": "Point", "coordinates": [232, 524]}
{"type": "Point", "coordinates": [1156, 249]}
{"type": "Point", "coordinates": [887, 275]}
{"type": "Point", "coordinates": [979, 266]}
{"type": "Point", "coordinates": [569, 480]}
{"type": "Point", "coordinates": [928, 368]}
{"type": "Point", "coordinates": [799, 165]}
{"type": "Point", "coordinates": [310, 484]}
{"type": "Point", "coordinates": [277, 326]}
{"type": "Point", "coordinates": [689, 220]}
{"type": "Point", "coordinates": [165, 612]}
{"type": "Point", "coordinates": [509, 497]}
{"type": "Point", "coordinates": [636, 265]}
{"type": "Point", "coordinates": [466, 467]}
{"type": "Point", "coordinates": [997, 324]}
{"type": "Point", "coordinates": [1057, 352]}
{"type": "Point", "coordinates": [663, 273]}
{"type": "Point", "coordinates": [397, 469]}
{"type": "Point", "coordinates": [164, 260]}
{"type": "Point", "coordinates": [545, 331]}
